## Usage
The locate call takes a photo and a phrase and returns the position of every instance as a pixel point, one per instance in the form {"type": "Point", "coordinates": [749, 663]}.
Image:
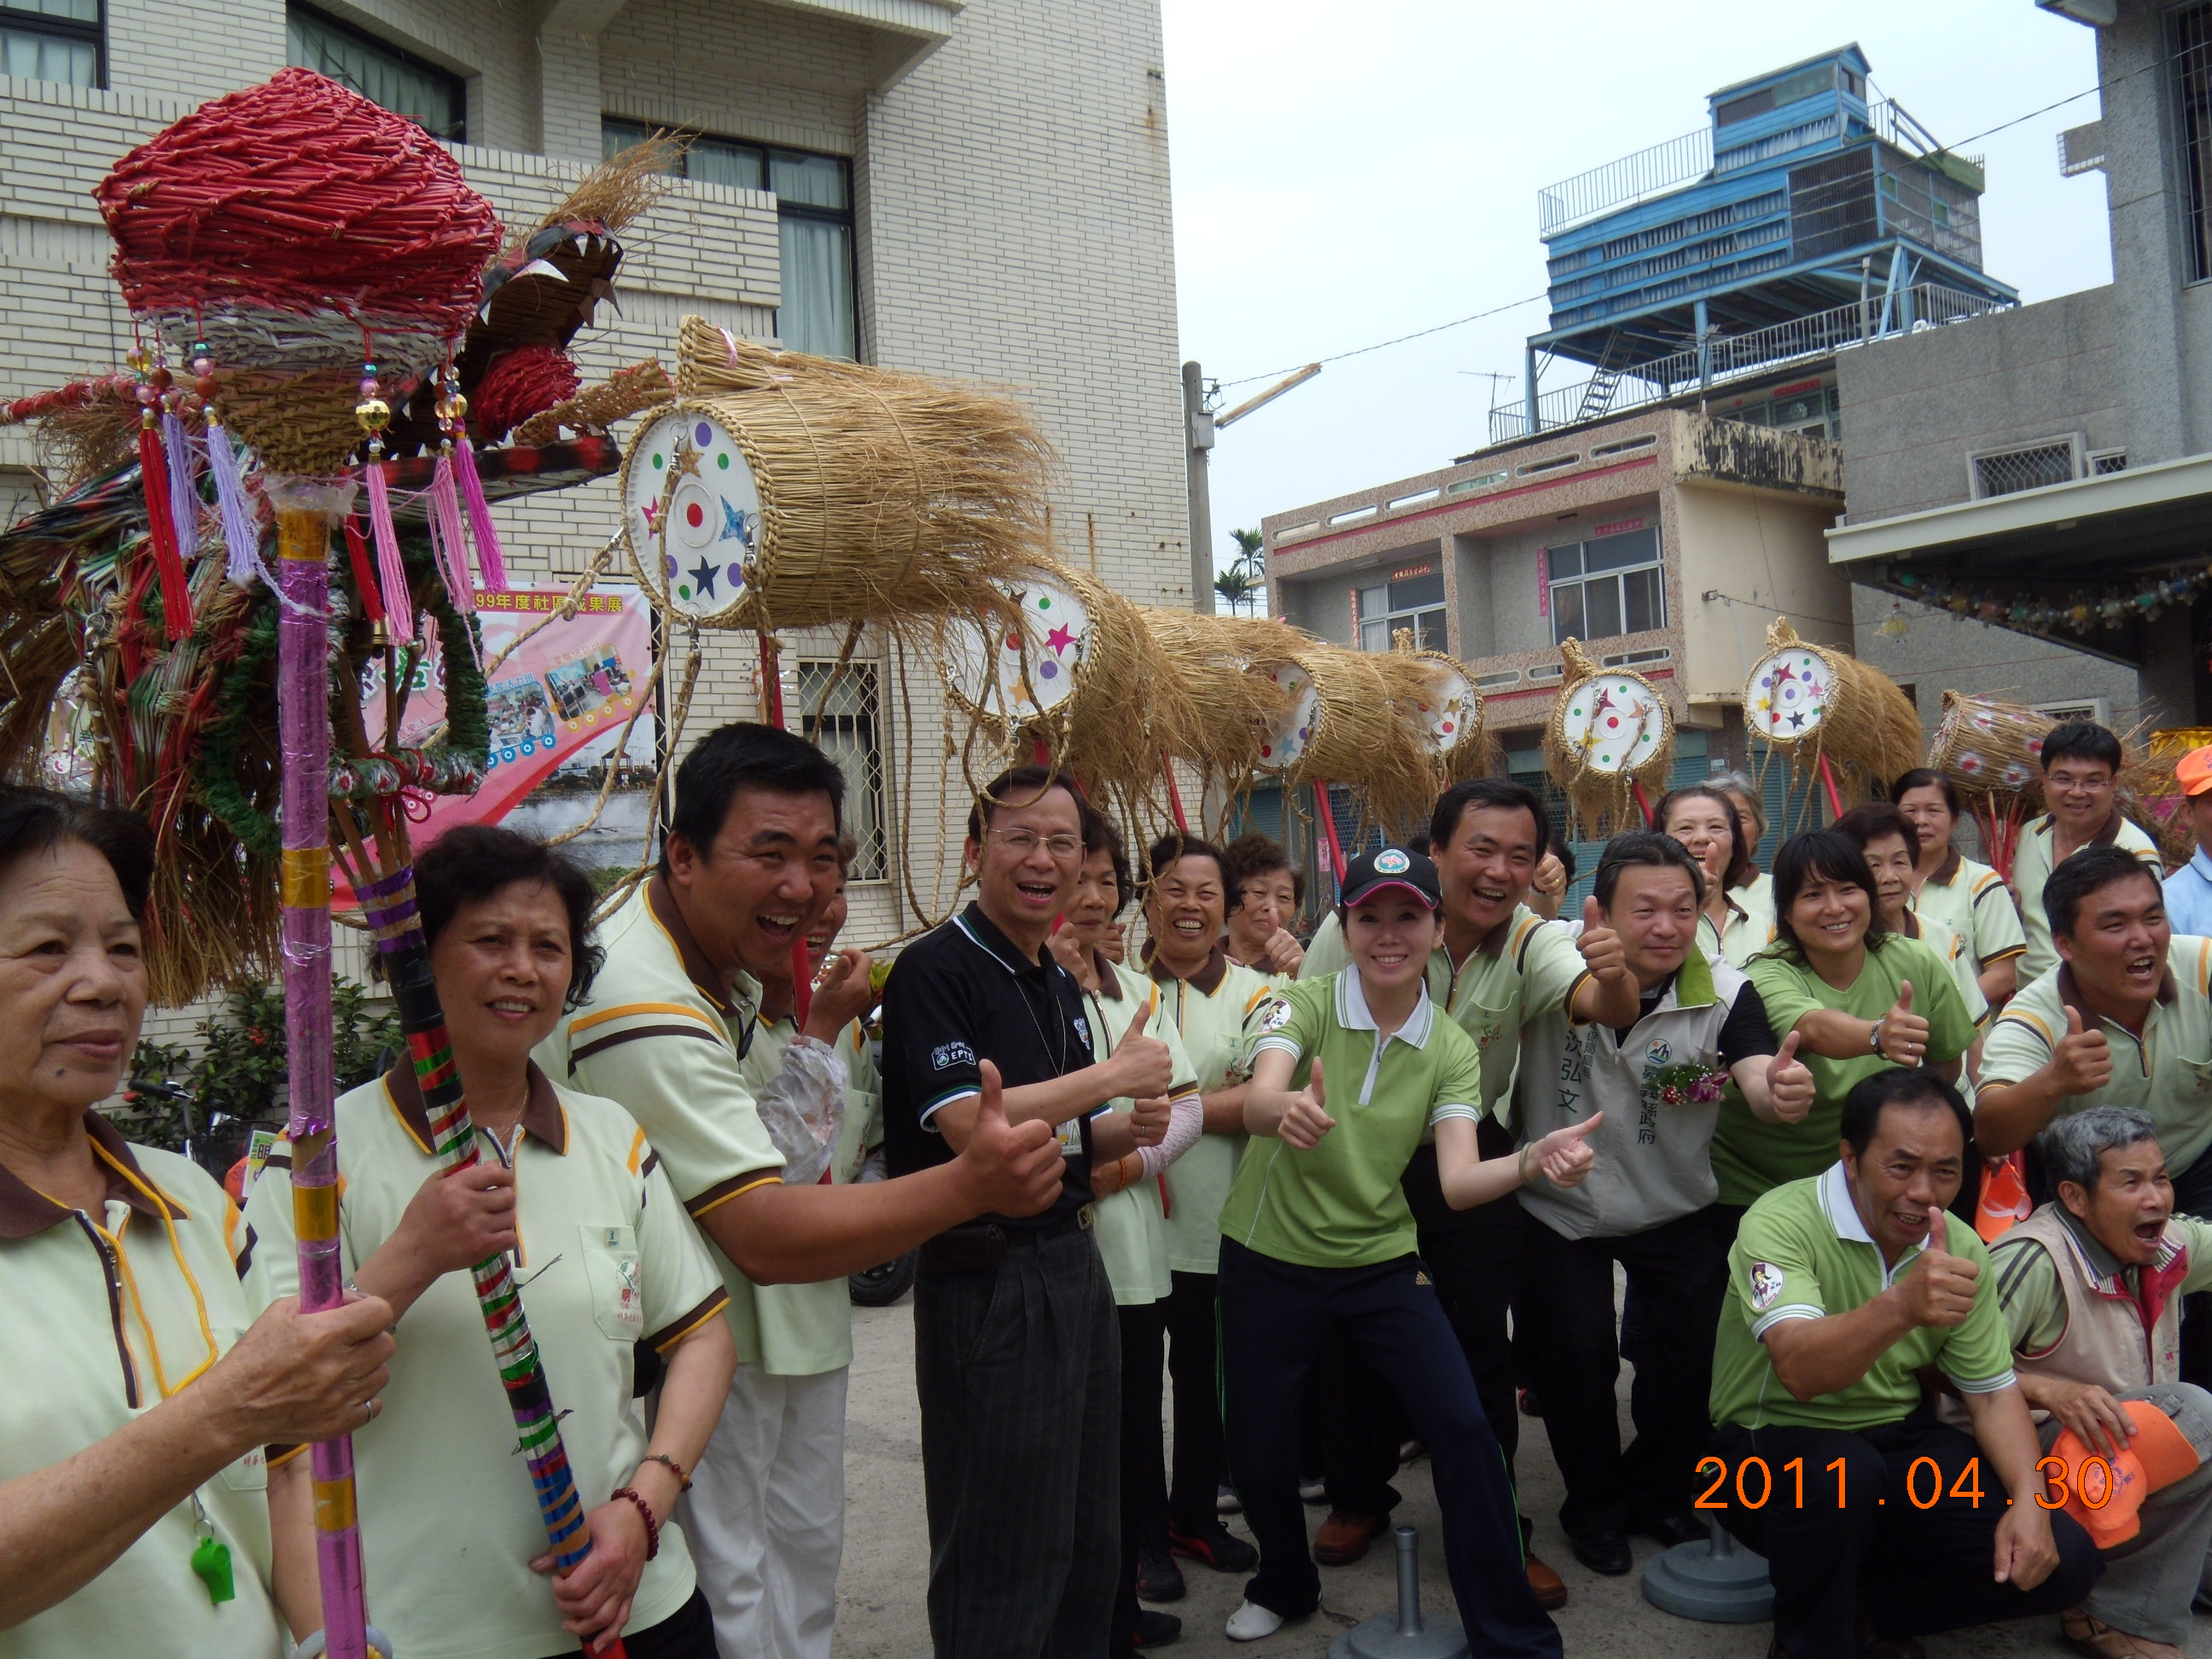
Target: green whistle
{"type": "Point", "coordinates": [211, 1563]}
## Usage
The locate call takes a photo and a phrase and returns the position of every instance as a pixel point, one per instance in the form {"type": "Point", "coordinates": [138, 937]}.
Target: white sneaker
{"type": "Point", "coordinates": [1252, 1621]}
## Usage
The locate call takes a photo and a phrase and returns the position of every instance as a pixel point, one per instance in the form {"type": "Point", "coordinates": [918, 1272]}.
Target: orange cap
{"type": "Point", "coordinates": [2193, 771]}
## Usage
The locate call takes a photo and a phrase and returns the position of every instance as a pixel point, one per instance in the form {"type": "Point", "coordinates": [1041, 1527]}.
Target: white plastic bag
{"type": "Point", "coordinates": [804, 1109]}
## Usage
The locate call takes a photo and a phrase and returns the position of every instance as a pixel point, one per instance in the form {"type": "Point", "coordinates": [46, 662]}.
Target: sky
{"type": "Point", "coordinates": [1345, 174]}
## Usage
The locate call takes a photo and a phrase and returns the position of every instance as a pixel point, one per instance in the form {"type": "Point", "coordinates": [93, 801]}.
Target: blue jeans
{"type": "Point", "coordinates": [1273, 1315]}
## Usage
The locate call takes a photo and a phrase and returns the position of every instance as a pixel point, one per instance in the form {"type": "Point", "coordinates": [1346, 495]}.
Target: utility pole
{"type": "Point", "coordinates": [1198, 443]}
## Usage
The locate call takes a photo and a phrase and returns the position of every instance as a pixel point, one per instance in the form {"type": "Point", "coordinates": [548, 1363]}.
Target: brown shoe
{"type": "Point", "coordinates": [2101, 1641]}
{"type": "Point", "coordinates": [1551, 1589]}
{"type": "Point", "coordinates": [1344, 1537]}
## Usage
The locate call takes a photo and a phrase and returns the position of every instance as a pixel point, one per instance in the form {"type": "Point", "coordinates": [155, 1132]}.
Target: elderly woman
{"type": "Point", "coordinates": [1738, 919]}
{"type": "Point", "coordinates": [135, 1393]}
{"type": "Point", "coordinates": [606, 1259]}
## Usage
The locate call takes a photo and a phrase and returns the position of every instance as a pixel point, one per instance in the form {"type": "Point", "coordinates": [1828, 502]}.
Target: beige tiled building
{"type": "Point", "coordinates": [978, 192]}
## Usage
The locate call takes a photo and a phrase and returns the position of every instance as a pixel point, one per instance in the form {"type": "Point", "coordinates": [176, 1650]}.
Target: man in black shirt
{"type": "Point", "coordinates": [1019, 1381]}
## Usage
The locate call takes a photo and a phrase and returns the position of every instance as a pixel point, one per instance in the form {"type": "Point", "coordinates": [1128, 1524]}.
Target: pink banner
{"type": "Point", "coordinates": [557, 707]}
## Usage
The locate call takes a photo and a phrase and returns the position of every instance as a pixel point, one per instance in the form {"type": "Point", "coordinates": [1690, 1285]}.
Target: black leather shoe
{"type": "Point", "coordinates": [1158, 1578]}
{"type": "Point", "coordinates": [1669, 1527]}
{"type": "Point", "coordinates": [1602, 1552]}
{"type": "Point", "coordinates": [1156, 1629]}
{"type": "Point", "coordinates": [1216, 1546]}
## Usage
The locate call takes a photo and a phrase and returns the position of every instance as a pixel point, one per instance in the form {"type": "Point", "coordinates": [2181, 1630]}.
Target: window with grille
{"type": "Point", "coordinates": [2033, 466]}
{"type": "Point", "coordinates": [840, 713]}
{"type": "Point", "coordinates": [433, 98]}
{"type": "Point", "coordinates": [814, 212]}
{"type": "Point", "coordinates": [2189, 41]}
{"type": "Point", "coordinates": [1414, 601]}
{"type": "Point", "coordinates": [1610, 585]}
{"type": "Point", "coordinates": [52, 40]}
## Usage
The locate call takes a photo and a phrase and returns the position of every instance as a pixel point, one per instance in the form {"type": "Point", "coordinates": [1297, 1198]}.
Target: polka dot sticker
{"type": "Point", "coordinates": [1038, 666]}
{"type": "Point", "coordinates": [1787, 695]}
{"type": "Point", "coordinates": [1615, 722]}
{"type": "Point", "coordinates": [692, 515]}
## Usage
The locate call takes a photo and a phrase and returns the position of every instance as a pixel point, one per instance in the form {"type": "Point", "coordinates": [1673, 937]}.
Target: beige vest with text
{"type": "Point", "coordinates": [2105, 1343]}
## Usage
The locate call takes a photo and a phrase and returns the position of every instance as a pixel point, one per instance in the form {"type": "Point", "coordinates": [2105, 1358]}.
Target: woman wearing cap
{"type": "Point", "coordinates": [134, 1400]}
{"type": "Point", "coordinates": [2189, 890]}
{"type": "Point", "coordinates": [605, 1258]}
{"type": "Point", "coordinates": [1349, 1070]}
{"type": "Point", "coordinates": [1971, 899]}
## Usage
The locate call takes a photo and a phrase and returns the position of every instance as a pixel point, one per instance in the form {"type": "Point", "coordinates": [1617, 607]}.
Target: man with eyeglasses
{"type": "Point", "coordinates": [2081, 765]}
{"type": "Point", "coordinates": [1016, 1352]}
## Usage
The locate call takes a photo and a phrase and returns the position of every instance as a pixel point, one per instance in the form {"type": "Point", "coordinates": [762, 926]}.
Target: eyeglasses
{"type": "Point", "coordinates": [2071, 783]}
{"type": "Point", "coordinates": [1023, 842]}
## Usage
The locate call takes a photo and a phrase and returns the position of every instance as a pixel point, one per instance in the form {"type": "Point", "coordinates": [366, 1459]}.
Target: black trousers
{"type": "Point", "coordinates": [1144, 1499]}
{"type": "Point", "coordinates": [1018, 1370]}
{"type": "Point", "coordinates": [1909, 1571]}
{"type": "Point", "coordinates": [1272, 1315]}
{"type": "Point", "coordinates": [1474, 1256]}
{"type": "Point", "coordinates": [1677, 1272]}
{"type": "Point", "coordinates": [1193, 1333]}
{"type": "Point", "coordinates": [686, 1633]}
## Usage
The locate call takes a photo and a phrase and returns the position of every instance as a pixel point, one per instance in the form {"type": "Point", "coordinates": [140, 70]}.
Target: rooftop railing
{"type": "Point", "coordinates": [1726, 357]}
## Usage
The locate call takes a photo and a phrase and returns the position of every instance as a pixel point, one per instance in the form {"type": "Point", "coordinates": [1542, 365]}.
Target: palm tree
{"type": "Point", "coordinates": [1244, 582]}
{"type": "Point", "coordinates": [1234, 588]}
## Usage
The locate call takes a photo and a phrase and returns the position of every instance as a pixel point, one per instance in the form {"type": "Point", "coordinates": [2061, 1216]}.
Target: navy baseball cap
{"type": "Point", "coordinates": [1393, 867]}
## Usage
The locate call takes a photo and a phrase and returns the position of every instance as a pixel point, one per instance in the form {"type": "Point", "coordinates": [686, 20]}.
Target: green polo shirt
{"type": "Point", "coordinates": [1972, 901]}
{"type": "Point", "coordinates": [1216, 1013]}
{"type": "Point", "coordinates": [2032, 866]}
{"type": "Point", "coordinates": [605, 1259]}
{"type": "Point", "coordinates": [666, 1036]}
{"type": "Point", "coordinates": [1131, 1225]}
{"type": "Point", "coordinates": [1804, 1253]}
{"type": "Point", "coordinates": [2167, 1070]}
{"type": "Point", "coordinates": [1749, 1156]}
{"type": "Point", "coordinates": [1526, 966]}
{"type": "Point", "coordinates": [81, 1359]}
{"type": "Point", "coordinates": [1340, 1204]}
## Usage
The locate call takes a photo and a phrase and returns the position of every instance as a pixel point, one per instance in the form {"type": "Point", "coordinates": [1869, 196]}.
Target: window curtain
{"type": "Point", "coordinates": [817, 313]}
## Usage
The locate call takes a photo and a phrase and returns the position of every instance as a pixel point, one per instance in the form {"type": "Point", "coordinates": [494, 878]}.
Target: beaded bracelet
{"type": "Point", "coordinates": [652, 1526]}
{"type": "Point", "coordinates": [674, 1468]}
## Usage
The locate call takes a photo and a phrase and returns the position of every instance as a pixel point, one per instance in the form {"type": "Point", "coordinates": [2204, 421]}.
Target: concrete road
{"type": "Point", "coordinates": [880, 1613]}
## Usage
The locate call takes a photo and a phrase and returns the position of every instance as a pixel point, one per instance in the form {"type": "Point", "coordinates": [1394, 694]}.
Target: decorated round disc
{"type": "Point", "coordinates": [1450, 714]}
{"type": "Point", "coordinates": [1614, 721]}
{"type": "Point", "coordinates": [1019, 673]}
{"type": "Point", "coordinates": [691, 514]}
{"type": "Point", "coordinates": [1285, 746]}
{"type": "Point", "coordinates": [1787, 695]}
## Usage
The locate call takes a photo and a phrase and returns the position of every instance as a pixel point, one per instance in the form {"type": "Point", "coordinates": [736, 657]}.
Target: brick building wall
{"type": "Point", "coordinates": [1011, 193]}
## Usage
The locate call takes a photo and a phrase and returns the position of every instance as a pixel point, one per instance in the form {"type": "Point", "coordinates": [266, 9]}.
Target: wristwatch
{"type": "Point", "coordinates": [1874, 1038]}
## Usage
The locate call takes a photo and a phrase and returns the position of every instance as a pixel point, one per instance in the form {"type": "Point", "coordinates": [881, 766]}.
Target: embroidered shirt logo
{"type": "Point", "coordinates": [1392, 862]}
{"type": "Point", "coordinates": [1766, 1286]}
{"type": "Point", "coordinates": [946, 1055]}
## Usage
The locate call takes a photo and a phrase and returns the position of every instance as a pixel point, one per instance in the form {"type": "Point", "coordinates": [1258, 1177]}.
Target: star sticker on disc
{"type": "Point", "coordinates": [703, 576]}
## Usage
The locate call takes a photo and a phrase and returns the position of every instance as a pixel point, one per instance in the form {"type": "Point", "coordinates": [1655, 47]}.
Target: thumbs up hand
{"type": "Point", "coordinates": [1902, 1035]}
{"type": "Point", "coordinates": [1603, 952]}
{"type": "Point", "coordinates": [1143, 1066]}
{"type": "Point", "coordinates": [2082, 1062]}
{"type": "Point", "coordinates": [1305, 1121]}
{"type": "Point", "coordinates": [1012, 1169]}
{"type": "Point", "coordinates": [1939, 1289]}
{"type": "Point", "coordinates": [1563, 1157]}
{"type": "Point", "coordinates": [1788, 1084]}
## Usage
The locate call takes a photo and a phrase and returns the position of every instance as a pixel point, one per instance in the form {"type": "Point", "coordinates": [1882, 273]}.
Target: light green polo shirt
{"type": "Point", "coordinates": [2032, 866]}
{"type": "Point", "coordinates": [1131, 1225]}
{"type": "Point", "coordinates": [1749, 1156]}
{"type": "Point", "coordinates": [665, 1035]}
{"type": "Point", "coordinates": [799, 1326]}
{"type": "Point", "coordinates": [1216, 1012]}
{"type": "Point", "coordinates": [1525, 967]}
{"type": "Point", "coordinates": [1340, 1205]}
{"type": "Point", "coordinates": [2167, 1071]}
{"type": "Point", "coordinates": [80, 1361]}
{"type": "Point", "coordinates": [1750, 927]}
{"type": "Point", "coordinates": [1804, 1253]}
{"type": "Point", "coordinates": [605, 1259]}
{"type": "Point", "coordinates": [1972, 901]}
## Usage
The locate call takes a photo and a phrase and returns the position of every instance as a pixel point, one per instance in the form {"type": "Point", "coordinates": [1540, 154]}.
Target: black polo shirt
{"type": "Point", "coordinates": [963, 995]}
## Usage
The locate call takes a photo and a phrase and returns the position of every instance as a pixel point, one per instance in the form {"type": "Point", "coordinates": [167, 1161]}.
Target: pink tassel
{"type": "Point", "coordinates": [488, 554]}
{"type": "Point", "coordinates": [391, 569]}
{"type": "Point", "coordinates": [446, 535]}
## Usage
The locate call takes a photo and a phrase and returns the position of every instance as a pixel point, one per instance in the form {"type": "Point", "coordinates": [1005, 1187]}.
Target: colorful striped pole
{"type": "Point", "coordinates": [303, 722]}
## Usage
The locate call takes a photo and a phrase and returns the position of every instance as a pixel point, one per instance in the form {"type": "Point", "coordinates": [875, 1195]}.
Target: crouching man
{"type": "Point", "coordinates": [1880, 1524]}
{"type": "Point", "coordinates": [2091, 1289]}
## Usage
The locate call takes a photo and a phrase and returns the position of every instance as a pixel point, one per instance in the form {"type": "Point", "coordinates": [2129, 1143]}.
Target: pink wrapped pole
{"type": "Point", "coordinates": [304, 512]}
